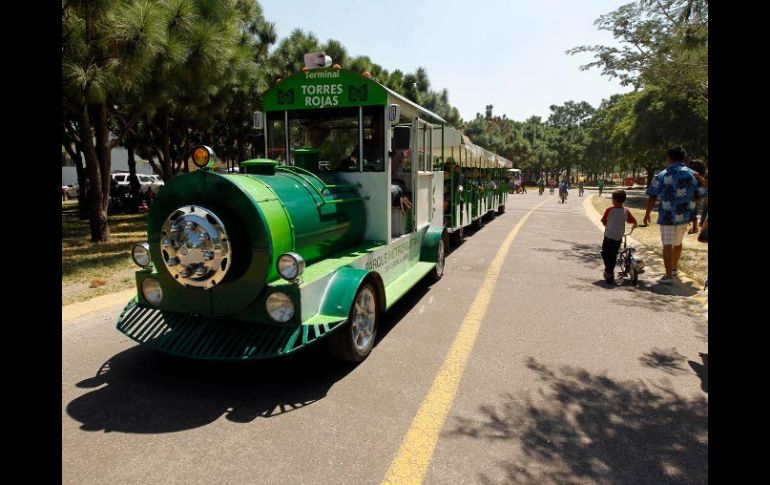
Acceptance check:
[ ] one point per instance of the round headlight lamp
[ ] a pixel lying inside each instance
(280, 307)
(290, 266)
(202, 155)
(152, 291)
(141, 255)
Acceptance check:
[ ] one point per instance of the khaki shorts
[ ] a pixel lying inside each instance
(673, 235)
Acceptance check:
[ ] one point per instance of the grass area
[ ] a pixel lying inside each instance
(89, 269)
(694, 259)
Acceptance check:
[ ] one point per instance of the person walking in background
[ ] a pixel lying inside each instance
(675, 186)
(601, 186)
(614, 220)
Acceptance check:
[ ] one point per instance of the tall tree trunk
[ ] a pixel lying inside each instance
(650, 173)
(82, 184)
(165, 145)
(99, 230)
(134, 181)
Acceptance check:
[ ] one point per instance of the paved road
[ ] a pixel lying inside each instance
(568, 381)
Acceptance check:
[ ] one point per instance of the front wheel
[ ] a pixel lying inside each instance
(355, 340)
(438, 271)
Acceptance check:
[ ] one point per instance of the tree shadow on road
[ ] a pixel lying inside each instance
(702, 370)
(590, 428)
(143, 391)
(584, 253)
(668, 360)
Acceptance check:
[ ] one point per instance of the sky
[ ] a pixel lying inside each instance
(507, 53)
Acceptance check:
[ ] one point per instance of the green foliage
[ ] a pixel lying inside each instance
(664, 56)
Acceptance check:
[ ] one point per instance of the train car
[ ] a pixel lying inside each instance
(311, 244)
(477, 185)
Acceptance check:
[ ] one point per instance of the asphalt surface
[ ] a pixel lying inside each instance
(570, 381)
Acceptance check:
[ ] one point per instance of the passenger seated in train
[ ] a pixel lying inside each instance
(456, 183)
(398, 188)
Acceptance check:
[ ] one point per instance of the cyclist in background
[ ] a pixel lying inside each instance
(563, 187)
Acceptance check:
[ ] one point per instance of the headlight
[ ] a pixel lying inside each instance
(290, 266)
(152, 291)
(280, 307)
(202, 155)
(141, 255)
(639, 264)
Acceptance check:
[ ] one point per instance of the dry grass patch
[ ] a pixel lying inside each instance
(90, 269)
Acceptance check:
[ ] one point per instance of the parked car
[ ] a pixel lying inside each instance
(145, 181)
(69, 192)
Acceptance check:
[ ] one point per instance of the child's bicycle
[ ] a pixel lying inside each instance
(631, 266)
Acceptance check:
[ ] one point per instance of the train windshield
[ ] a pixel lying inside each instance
(328, 140)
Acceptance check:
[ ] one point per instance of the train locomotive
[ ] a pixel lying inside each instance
(306, 245)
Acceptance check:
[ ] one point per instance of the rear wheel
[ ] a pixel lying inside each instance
(477, 224)
(501, 209)
(355, 340)
(634, 274)
(438, 271)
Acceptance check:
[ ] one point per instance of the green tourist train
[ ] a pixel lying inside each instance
(356, 201)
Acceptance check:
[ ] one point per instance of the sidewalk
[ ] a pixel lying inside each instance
(75, 310)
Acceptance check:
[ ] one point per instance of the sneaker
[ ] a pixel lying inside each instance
(666, 280)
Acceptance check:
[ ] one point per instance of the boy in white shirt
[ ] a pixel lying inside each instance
(614, 220)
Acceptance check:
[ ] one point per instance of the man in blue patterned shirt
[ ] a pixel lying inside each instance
(675, 187)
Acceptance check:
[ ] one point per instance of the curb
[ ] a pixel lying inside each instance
(70, 312)
(593, 215)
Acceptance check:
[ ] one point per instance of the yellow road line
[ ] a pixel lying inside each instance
(414, 455)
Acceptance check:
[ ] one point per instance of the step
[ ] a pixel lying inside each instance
(401, 285)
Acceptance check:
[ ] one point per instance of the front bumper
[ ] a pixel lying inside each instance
(213, 338)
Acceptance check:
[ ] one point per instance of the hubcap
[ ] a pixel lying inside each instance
(364, 317)
(195, 247)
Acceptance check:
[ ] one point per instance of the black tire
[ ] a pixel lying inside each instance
(634, 275)
(478, 223)
(438, 271)
(458, 236)
(341, 344)
(501, 209)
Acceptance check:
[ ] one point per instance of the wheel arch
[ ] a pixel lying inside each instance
(341, 290)
(429, 249)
